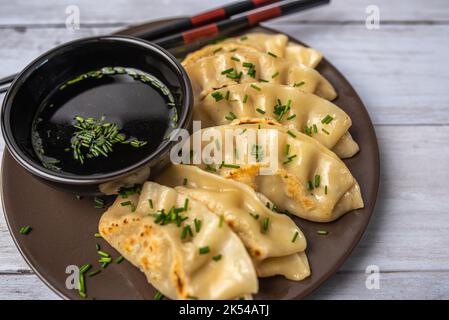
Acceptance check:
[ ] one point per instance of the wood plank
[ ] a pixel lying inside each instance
(399, 71)
(24, 287)
(19, 12)
(394, 285)
(408, 230)
(343, 285)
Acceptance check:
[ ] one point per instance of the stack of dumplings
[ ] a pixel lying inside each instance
(208, 231)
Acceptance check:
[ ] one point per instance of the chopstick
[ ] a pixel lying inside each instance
(203, 18)
(224, 27)
(213, 30)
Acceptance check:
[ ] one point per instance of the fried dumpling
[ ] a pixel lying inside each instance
(276, 44)
(297, 173)
(182, 248)
(292, 108)
(267, 235)
(222, 70)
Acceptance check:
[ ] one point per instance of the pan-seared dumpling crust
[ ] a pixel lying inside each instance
(161, 237)
(292, 108)
(244, 212)
(276, 44)
(310, 181)
(229, 68)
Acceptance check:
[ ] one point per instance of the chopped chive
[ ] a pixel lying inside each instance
(287, 149)
(186, 204)
(97, 235)
(243, 38)
(289, 159)
(265, 223)
(308, 131)
(231, 116)
(25, 230)
(204, 250)
(291, 134)
(93, 273)
(221, 221)
(103, 254)
(119, 259)
(131, 205)
(310, 185)
(98, 203)
(105, 260)
(210, 168)
(272, 54)
(97, 246)
(192, 297)
(325, 189)
(247, 65)
(186, 230)
(85, 267)
(150, 202)
(291, 117)
(217, 257)
(227, 71)
(295, 236)
(217, 96)
(317, 180)
(263, 80)
(235, 59)
(260, 111)
(227, 95)
(327, 119)
(184, 182)
(158, 296)
(255, 87)
(325, 131)
(275, 75)
(322, 232)
(315, 129)
(197, 225)
(254, 215)
(245, 98)
(298, 84)
(231, 166)
(217, 50)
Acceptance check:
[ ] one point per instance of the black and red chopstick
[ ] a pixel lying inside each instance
(203, 18)
(213, 30)
(239, 23)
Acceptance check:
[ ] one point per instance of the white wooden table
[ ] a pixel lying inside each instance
(401, 72)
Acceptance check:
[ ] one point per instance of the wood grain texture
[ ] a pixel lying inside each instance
(400, 71)
(21, 12)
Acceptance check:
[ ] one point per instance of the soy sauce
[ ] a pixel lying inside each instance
(142, 107)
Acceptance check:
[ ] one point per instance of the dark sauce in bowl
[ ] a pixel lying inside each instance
(141, 106)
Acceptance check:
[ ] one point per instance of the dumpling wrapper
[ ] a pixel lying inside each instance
(273, 251)
(206, 74)
(277, 44)
(174, 266)
(288, 187)
(305, 108)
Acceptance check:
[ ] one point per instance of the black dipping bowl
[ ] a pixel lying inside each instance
(67, 61)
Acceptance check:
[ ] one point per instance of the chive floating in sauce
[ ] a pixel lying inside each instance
(85, 121)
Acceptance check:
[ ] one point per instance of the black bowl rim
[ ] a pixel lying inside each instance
(59, 177)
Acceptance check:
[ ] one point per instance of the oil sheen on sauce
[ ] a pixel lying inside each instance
(141, 105)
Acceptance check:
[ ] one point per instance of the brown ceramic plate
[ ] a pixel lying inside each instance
(64, 227)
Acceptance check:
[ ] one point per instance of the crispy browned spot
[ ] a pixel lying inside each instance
(179, 284)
